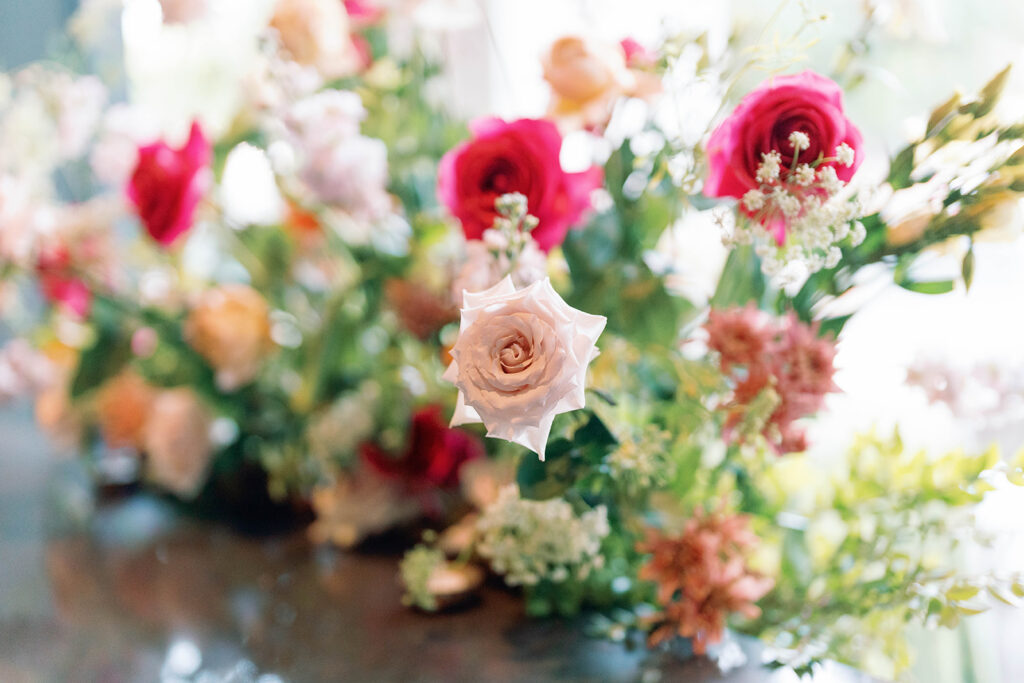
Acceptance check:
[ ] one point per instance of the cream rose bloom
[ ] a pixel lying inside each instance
(316, 33)
(230, 328)
(177, 441)
(521, 358)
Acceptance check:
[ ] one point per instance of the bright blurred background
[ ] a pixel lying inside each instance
(965, 346)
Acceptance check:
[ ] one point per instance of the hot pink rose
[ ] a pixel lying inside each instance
(763, 121)
(517, 156)
(168, 183)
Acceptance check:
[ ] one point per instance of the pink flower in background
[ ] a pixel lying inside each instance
(763, 122)
(168, 184)
(517, 156)
(638, 56)
(786, 356)
(58, 283)
(183, 11)
(362, 12)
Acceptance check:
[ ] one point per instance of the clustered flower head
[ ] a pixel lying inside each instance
(786, 153)
(534, 540)
(506, 248)
(782, 358)
(800, 212)
(702, 577)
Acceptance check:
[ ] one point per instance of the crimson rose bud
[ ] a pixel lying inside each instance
(168, 183)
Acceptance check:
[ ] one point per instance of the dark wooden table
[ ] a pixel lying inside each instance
(133, 592)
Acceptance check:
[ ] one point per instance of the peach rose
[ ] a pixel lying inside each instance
(521, 358)
(316, 33)
(177, 442)
(587, 77)
(230, 328)
(122, 409)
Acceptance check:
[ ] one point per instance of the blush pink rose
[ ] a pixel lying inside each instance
(763, 121)
(167, 185)
(517, 156)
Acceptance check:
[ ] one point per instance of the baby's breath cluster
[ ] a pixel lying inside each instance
(532, 540)
(506, 248)
(800, 212)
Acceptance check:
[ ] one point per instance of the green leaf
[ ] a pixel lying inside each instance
(108, 354)
(901, 168)
(742, 281)
(941, 115)
(934, 287)
(961, 593)
(967, 268)
(989, 95)
(833, 326)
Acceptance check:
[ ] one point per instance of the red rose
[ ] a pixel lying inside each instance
(168, 183)
(763, 121)
(433, 456)
(59, 284)
(517, 156)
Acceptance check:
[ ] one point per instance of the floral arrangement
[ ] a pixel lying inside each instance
(306, 308)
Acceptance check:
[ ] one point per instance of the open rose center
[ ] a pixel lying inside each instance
(516, 355)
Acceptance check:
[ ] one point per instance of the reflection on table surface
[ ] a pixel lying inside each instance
(135, 592)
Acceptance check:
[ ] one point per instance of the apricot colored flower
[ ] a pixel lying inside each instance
(123, 406)
(702, 578)
(177, 442)
(230, 328)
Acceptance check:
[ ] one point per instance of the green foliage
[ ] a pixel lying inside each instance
(108, 353)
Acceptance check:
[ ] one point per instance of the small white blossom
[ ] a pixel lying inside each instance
(753, 200)
(828, 180)
(833, 256)
(532, 540)
(787, 203)
(768, 171)
(857, 233)
(804, 175)
(799, 140)
(845, 154)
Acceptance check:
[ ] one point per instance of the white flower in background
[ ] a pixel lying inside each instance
(533, 540)
(23, 370)
(248, 189)
(336, 432)
(352, 175)
(520, 359)
(690, 255)
(80, 103)
(123, 129)
(178, 443)
(18, 221)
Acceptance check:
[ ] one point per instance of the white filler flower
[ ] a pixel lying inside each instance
(521, 358)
